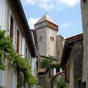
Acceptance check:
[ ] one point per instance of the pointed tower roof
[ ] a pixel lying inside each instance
(45, 18)
(46, 21)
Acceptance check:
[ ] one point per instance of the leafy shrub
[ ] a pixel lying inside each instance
(45, 63)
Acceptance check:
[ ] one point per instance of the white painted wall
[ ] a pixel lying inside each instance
(3, 14)
(23, 47)
(9, 78)
(3, 26)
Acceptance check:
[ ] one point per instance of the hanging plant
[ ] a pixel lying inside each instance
(23, 66)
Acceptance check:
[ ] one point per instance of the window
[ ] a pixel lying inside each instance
(17, 41)
(11, 28)
(84, 1)
(40, 39)
(26, 52)
(83, 84)
(8, 22)
(51, 38)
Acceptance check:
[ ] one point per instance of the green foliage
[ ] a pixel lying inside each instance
(2, 67)
(5, 43)
(22, 65)
(5, 47)
(61, 83)
(45, 63)
(2, 34)
(55, 65)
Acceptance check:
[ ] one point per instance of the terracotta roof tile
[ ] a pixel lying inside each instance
(42, 70)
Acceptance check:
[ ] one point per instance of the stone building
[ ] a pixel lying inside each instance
(49, 46)
(72, 59)
(84, 11)
(46, 30)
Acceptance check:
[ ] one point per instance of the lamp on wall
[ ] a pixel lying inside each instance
(84, 1)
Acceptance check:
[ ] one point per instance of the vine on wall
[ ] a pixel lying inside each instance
(20, 63)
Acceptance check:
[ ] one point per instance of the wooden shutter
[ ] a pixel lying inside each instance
(17, 41)
(11, 28)
(67, 73)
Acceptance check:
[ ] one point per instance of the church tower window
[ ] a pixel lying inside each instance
(51, 38)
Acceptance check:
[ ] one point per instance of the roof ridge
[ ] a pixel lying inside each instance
(45, 17)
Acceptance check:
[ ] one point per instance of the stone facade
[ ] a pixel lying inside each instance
(46, 38)
(84, 10)
(51, 42)
(74, 65)
(78, 61)
(42, 42)
(70, 66)
(59, 46)
(46, 31)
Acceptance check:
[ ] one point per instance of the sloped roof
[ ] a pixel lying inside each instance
(45, 18)
(75, 38)
(42, 71)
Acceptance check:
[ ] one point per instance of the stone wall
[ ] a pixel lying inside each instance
(59, 46)
(51, 42)
(42, 42)
(46, 38)
(84, 10)
(70, 66)
(75, 64)
(78, 60)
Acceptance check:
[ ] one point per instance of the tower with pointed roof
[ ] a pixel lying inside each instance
(46, 30)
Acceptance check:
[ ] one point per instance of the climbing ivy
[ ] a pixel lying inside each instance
(20, 63)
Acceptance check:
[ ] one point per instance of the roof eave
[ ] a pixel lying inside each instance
(68, 47)
(19, 16)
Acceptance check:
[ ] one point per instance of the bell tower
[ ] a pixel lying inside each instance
(46, 30)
